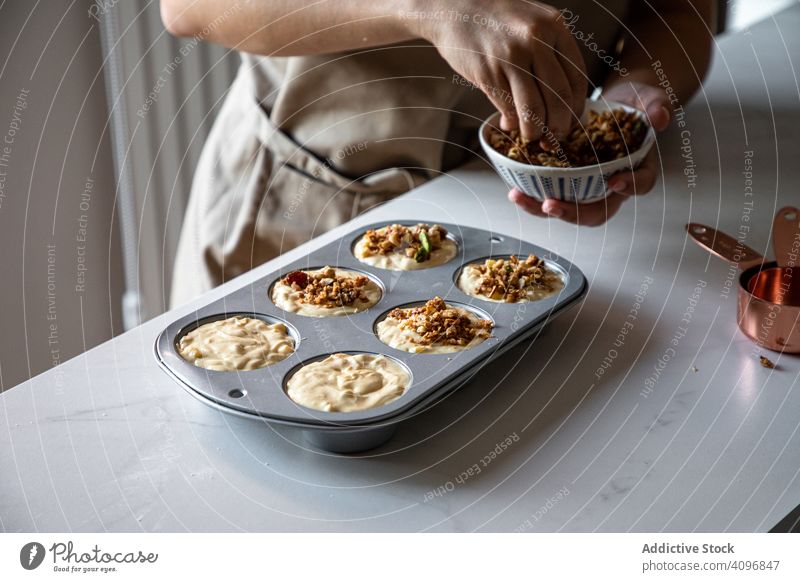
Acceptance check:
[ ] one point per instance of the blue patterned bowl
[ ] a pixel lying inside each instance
(582, 185)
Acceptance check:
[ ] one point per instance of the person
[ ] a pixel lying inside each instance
(340, 106)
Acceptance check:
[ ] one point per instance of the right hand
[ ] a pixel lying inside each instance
(530, 68)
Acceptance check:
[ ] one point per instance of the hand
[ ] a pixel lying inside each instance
(519, 53)
(654, 102)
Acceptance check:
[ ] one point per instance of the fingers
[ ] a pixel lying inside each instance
(529, 103)
(659, 116)
(555, 88)
(640, 181)
(652, 100)
(527, 203)
(593, 214)
(545, 73)
(571, 60)
(499, 93)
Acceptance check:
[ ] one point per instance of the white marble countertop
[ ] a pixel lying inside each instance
(107, 441)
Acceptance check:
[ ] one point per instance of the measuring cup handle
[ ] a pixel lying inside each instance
(723, 245)
(786, 236)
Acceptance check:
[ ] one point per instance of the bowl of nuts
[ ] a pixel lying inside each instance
(610, 138)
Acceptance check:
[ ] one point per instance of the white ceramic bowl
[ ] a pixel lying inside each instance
(581, 185)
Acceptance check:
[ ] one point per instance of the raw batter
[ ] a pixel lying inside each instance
(348, 383)
(236, 343)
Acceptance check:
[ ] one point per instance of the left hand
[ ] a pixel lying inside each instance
(655, 103)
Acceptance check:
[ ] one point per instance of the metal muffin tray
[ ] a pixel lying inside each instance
(260, 394)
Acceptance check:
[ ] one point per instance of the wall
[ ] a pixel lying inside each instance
(60, 278)
(745, 13)
(172, 89)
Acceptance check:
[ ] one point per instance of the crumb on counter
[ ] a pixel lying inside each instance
(766, 362)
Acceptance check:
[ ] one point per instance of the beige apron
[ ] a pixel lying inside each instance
(304, 144)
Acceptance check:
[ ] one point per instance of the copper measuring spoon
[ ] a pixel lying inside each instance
(768, 295)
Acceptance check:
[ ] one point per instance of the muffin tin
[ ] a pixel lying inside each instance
(260, 394)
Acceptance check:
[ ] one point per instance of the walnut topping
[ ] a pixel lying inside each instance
(437, 323)
(509, 280)
(326, 288)
(417, 242)
(607, 136)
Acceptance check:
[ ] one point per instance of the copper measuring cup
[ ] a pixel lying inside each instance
(768, 295)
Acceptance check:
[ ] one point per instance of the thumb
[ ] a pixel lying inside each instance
(652, 100)
(655, 104)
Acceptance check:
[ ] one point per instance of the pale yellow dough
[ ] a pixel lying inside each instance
(289, 300)
(236, 343)
(390, 333)
(399, 261)
(469, 283)
(348, 383)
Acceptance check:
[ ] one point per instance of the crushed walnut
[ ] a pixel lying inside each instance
(608, 135)
(508, 279)
(437, 323)
(766, 362)
(326, 288)
(416, 242)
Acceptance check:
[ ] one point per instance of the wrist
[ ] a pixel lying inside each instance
(418, 18)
